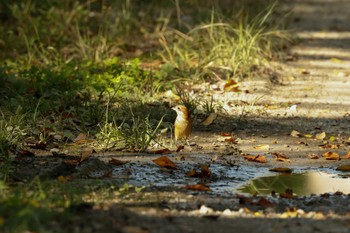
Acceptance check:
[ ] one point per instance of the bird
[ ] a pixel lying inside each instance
(183, 123)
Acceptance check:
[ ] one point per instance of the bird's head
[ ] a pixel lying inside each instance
(181, 111)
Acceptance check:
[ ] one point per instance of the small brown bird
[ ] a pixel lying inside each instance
(183, 123)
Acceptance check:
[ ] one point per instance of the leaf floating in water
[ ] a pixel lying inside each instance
(197, 187)
(343, 168)
(281, 169)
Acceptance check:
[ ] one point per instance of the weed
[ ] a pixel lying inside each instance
(209, 106)
(11, 133)
(140, 134)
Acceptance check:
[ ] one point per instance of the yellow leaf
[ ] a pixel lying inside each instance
(295, 134)
(331, 155)
(320, 136)
(264, 147)
(333, 59)
(210, 119)
(308, 135)
(331, 138)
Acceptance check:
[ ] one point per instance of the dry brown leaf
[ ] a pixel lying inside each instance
(230, 139)
(287, 194)
(197, 187)
(265, 203)
(180, 148)
(331, 155)
(164, 161)
(117, 162)
(80, 137)
(281, 157)
(255, 158)
(64, 179)
(329, 146)
(264, 147)
(313, 156)
(86, 154)
(320, 136)
(71, 162)
(231, 85)
(347, 156)
(225, 134)
(205, 171)
(344, 168)
(210, 119)
(281, 169)
(295, 134)
(192, 173)
(164, 151)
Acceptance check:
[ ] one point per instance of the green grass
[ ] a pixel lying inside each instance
(101, 68)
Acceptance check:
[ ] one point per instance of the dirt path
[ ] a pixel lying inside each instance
(308, 93)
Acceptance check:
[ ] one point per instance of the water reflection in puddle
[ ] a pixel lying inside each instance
(302, 184)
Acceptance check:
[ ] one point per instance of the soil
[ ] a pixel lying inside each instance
(307, 92)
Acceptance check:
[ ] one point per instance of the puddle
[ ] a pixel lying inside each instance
(307, 183)
(227, 180)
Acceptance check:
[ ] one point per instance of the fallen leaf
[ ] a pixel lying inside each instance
(343, 168)
(197, 187)
(26, 153)
(71, 162)
(287, 194)
(313, 156)
(336, 60)
(281, 157)
(329, 146)
(308, 135)
(210, 119)
(205, 172)
(331, 155)
(164, 161)
(281, 169)
(86, 154)
(225, 134)
(117, 162)
(80, 137)
(320, 136)
(265, 203)
(231, 85)
(304, 71)
(331, 138)
(264, 147)
(255, 158)
(64, 179)
(192, 173)
(164, 151)
(295, 134)
(230, 139)
(180, 148)
(347, 156)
